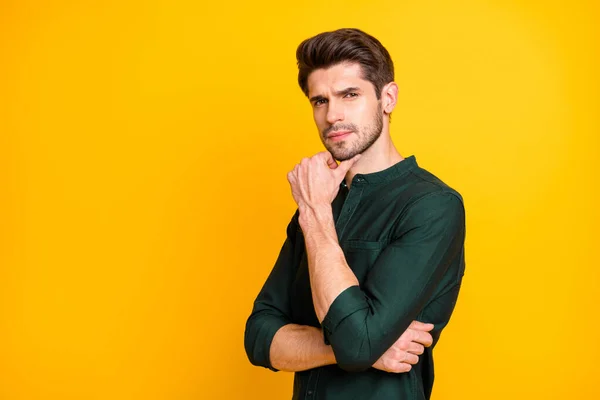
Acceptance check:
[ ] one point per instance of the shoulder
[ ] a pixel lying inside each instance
(431, 200)
(426, 183)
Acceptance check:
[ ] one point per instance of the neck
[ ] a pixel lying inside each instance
(381, 155)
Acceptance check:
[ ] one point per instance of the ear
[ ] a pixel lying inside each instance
(389, 97)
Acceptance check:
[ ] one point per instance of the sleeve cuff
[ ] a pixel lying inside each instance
(268, 333)
(347, 303)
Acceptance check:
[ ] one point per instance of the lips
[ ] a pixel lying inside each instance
(339, 134)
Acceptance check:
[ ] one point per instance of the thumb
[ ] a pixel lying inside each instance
(330, 160)
(345, 166)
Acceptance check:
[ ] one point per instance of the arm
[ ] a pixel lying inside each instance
(330, 275)
(272, 341)
(300, 347)
(361, 323)
(271, 309)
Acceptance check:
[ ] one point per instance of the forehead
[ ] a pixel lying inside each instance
(336, 77)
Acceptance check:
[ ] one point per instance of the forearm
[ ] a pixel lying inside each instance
(298, 348)
(330, 275)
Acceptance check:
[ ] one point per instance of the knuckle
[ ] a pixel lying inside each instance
(417, 335)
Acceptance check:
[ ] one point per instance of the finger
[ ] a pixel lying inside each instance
(346, 165)
(416, 348)
(411, 359)
(399, 368)
(421, 326)
(422, 337)
(331, 163)
(403, 344)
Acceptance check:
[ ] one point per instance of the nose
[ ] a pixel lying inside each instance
(335, 112)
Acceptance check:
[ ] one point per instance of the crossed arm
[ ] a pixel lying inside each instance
(361, 323)
(300, 347)
(273, 341)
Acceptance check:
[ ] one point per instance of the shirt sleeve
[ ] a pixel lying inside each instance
(363, 322)
(271, 309)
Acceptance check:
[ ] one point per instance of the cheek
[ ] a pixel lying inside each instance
(366, 107)
(358, 112)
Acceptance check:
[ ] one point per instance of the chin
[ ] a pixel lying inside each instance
(342, 155)
(342, 151)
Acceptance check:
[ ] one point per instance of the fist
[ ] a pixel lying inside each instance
(315, 181)
(403, 354)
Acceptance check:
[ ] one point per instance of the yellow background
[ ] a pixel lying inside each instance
(144, 147)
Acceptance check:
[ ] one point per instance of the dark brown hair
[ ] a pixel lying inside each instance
(345, 45)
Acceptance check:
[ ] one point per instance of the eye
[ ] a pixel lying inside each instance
(351, 94)
(320, 101)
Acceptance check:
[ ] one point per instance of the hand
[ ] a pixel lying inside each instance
(316, 180)
(403, 354)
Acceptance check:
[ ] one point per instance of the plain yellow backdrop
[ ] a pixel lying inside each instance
(144, 147)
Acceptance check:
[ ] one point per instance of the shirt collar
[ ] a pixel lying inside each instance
(388, 174)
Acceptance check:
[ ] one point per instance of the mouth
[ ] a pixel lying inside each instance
(338, 135)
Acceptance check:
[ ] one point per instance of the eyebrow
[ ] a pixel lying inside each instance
(338, 93)
(346, 91)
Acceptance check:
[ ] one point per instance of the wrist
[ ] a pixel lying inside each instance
(315, 215)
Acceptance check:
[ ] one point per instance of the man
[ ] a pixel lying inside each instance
(376, 245)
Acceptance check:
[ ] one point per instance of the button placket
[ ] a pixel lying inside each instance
(313, 379)
(348, 208)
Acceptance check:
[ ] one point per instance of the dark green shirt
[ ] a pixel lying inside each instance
(402, 232)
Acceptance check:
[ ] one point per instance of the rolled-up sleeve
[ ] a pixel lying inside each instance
(363, 322)
(271, 309)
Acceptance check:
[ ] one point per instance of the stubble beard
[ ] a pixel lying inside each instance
(368, 135)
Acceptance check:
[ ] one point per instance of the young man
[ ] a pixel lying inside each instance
(376, 245)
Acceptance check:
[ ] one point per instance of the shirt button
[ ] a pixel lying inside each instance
(310, 392)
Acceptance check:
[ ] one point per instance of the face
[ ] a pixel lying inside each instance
(346, 110)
